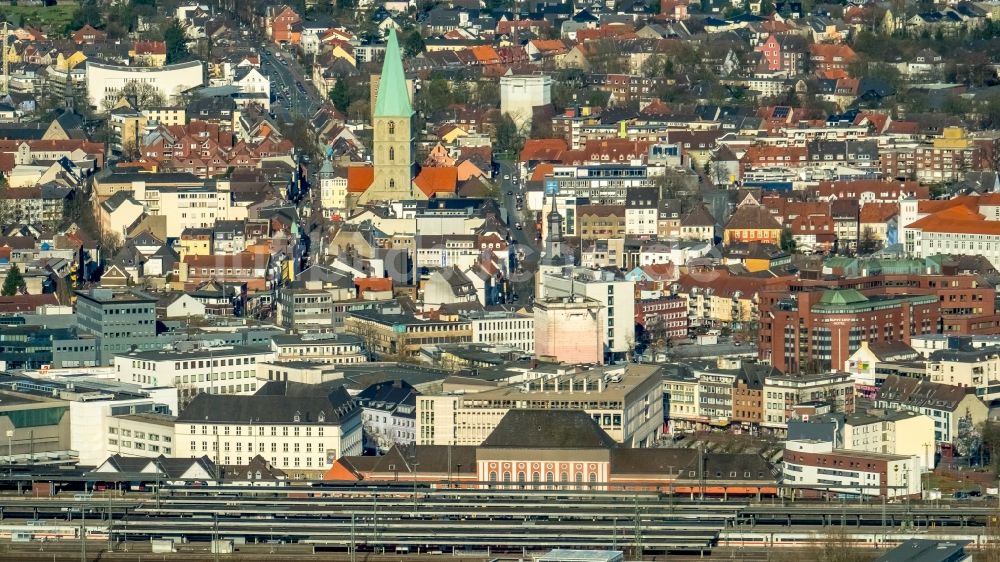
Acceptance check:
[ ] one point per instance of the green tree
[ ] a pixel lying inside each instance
(173, 35)
(788, 243)
(413, 43)
(13, 283)
(340, 96)
(509, 140)
(597, 98)
(436, 96)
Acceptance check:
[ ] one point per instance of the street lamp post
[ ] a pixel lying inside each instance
(10, 451)
(415, 465)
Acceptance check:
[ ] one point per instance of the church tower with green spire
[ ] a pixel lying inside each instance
(393, 136)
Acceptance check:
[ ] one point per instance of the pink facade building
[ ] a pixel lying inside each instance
(568, 330)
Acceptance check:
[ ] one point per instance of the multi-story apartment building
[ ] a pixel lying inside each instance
(943, 159)
(568, 124)
(944, 403)
(662, 318)
(625, 87)
(301, 429)
(716, 298)
(182, 199)
(681, 402)
(641, 210)
(963, 226)
(976, 368)
(891, 432)
(310, 305)
(333, 188)
(460, 250)
(602, 184)
(388, 412)
(782, 392)
(715, 395)
(627, 402)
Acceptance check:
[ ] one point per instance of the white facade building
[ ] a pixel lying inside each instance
(337, 349)
(332, 189)
(817, 464)
(617, 297)
(141, 435)
(504, 328)
(672, 252)
(92, 415)
(191, 207)
(627, 402)
(218, 370)
(300, 429)
(104, 80)
(520, 94)
(897, 433)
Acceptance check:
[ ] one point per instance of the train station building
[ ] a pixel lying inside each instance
(554, 449)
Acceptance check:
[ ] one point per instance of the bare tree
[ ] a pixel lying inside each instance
(111, 242)
(989, 550)
(368, 334)
(719, 172)
(141, 95)
(836, 545)
(868, 244)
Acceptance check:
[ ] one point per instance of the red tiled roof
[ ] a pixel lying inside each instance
(372, 284)
(542, 170)
(958, 219)
(660, 271)
(543, 149)
(932, 206)
(812, 224)
(878, 212)
(150, 48)
(877, 120)
(752, 217)
(437, 180)
(359, 178)
(485, 54)
(549, 46)
(243, 260)
(903, 127)
(891, 189)
(828, 52)
(26, 303)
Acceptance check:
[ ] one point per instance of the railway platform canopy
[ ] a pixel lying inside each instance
(571, 555)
